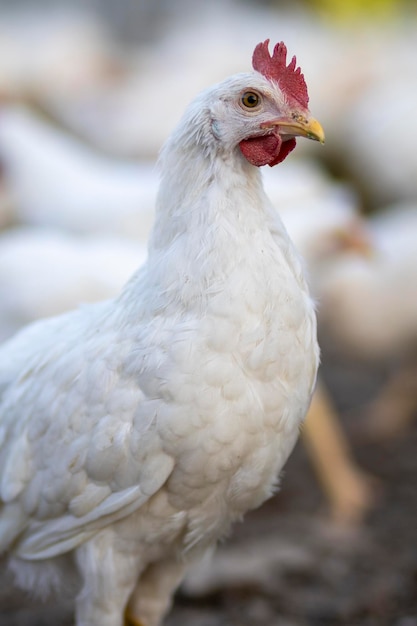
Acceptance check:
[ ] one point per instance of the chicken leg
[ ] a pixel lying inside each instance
(347, 487)
(152, 597)
(130, 620)
(103, 596)
(391, 412)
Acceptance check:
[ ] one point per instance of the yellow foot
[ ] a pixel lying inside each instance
(130, 620)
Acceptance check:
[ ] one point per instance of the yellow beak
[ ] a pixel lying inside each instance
(299, 126)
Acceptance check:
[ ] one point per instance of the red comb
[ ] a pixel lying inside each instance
(289, 77)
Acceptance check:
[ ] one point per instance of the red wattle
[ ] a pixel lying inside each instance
(286, 148)
(266, 150)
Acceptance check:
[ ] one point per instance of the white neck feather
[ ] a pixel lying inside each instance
(212, 215)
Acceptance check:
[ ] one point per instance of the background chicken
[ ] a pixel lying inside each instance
(179, 401)
(46, 272)
(47, 169)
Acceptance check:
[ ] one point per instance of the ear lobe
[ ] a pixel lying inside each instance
(215, 128)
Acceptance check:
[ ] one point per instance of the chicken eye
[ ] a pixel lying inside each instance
(250, 99)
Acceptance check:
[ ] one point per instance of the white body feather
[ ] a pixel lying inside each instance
(136, 430)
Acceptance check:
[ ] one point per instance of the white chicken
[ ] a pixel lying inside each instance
(387, 170)
(368, 311)
(47, 272)
(57, 181)
(135, 431)
(368, 305)
(56, 50)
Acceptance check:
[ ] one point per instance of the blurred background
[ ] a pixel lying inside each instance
(89, 90)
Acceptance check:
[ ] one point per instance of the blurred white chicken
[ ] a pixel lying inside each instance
(46, 272)
(321, 216)
(58, 51)
(369, 304)
(56, 181)
(135, 431)
(373, 86)
(368, 311)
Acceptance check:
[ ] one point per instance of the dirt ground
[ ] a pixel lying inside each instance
(287, 565)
